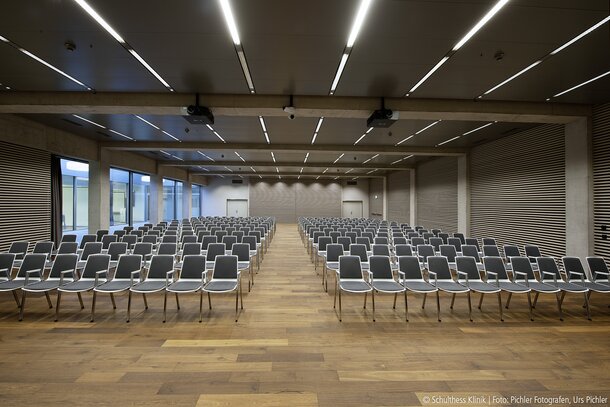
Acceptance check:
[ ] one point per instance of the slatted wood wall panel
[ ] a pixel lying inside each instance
(399, 196)
(601, 179)
(436, 189)
(25, 194)
(376, 204)
(273, 198)
(517, 186)
(318, 199)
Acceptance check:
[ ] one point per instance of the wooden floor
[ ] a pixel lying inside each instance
(289, 349)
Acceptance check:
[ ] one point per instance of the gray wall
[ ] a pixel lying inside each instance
(376, 198)
(218, 190)
(436, 189)
(398, 196)
(601, 180)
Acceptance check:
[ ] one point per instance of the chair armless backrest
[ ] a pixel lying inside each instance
(403, 250)
(461, 237)
(455, 242)
(350, 268)
(131, 240)
(192, 267)
(116, 249)
(440, 266)
(572, 264)
(417, 241)
(43, 248)
(522, 265)
(160, 264)
(225, 268)
(400, 240)
(189, 239)
(511, 250)
(491, 251)
(257, 235)
(471, 241)
(548, 265)
(596, 265)
(239, 235)
(215, 249)
(148, 239)
(468, 265)
(91, 248)
(381, 250)
(168, 232)
(67, 248)
(358, 250)
(380, 267)
(425, 251)
(63, 262)
(412, 235)
(19, 249)
(126, 265)
(444, 236)
(99, 234)
(365, 241)
(532, 251)
(345, 242)
(68, 239)
(32, 261)
(449, 252)
(471, 251)
(191, 249)
(487, 241)
(107, 239)
(167, 248)
(119, 233)
(155, 233)
(495, 264)
(6, 263)
(169, 239)
(95, 263)
(333, 252)
(410, 266)
(436, 242)
(207, 240)
(242, 251)
(323, 242)
(220, 234)
(229, 241)
(381, 240)
(143, 249)
(250, 240)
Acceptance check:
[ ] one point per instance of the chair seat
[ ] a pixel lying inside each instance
(243, 265)
(76, 286)
(419, 286)
(513, 287)
(150, 286)
(184, 286)
(597, 287)
(41, 286)
(541, 287)
(11, 285)
(354, 286)
(114, 286)
(451, 287)
(483, 287)
(388, 286)
(332, 265)
(568, 287)
(220, 286)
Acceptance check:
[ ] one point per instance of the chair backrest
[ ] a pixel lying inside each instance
(490, 251)
(95, 263)
(444, 236)
(425, 251)
(334, 251)
(149, 239)
(67, 248)
(242, 251)
(471, 251)
(225, 267)
(143, 249)
(488, 241)
(548, 265)
(107, 239)
(380, 267)
(119, 233)
(495, 264)
(345, 242)
(229, 241)
(436, 242)
(250, 240)
(522, 265)
(99, 234)
(160, 264)
(381, 240)
(192, 248)
(573, 264)
(400, 240)
(131, 240)
(427, 236)
(455, 242)
(117, 249)
(169, 238)
(32, 261)
(381, 250)
(365, 241)
(126, 265)
(44, 247)
(6, 262)
(63, 262)
(334, 236)
(468, 265)
(91, 248)
(220, 234)
(19, 248)
(349, 267)
(403, 250)
(167, 248)
(257, 235)
(324, 241)
(440, 266)
(359, 250)
(239, 235)
(461, 237)
(188, 239)
(417, 241)
(511, 251)
(68, 238)
(410, 266)
(596, 264)
(215, 249)
(193, 266)
(207, 240)
(449, 252)
(472, 242)
(156, 233)
(532, 251)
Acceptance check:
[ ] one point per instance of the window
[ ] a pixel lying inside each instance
(119, 197)
(129, 198)
(196, 211)
(75, 195)
(140, 199)
(179, 199)
(172, 199)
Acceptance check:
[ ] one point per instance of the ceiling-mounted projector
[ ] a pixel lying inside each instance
(382, 118)
(196, 114)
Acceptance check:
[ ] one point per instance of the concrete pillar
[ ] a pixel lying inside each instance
(187, 200)
(99, 193)
(412, 198)
(579, 189)
(463, 195)
(385, 198)
(156, 199)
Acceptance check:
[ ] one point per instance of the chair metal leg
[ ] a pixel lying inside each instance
(200, 306)
(563, 295)
(481, 300)
(406, 307)
(587, 304)
(395, 296)
(93, 305)
(22, 305)
(128, 306)
(113, 302)
(145, 302)
(423, 304)
(16, 299)
(236, 303)
(510, 295)
(535, 300)
(241, 295)
(365, 297)
(529, 301)
(335, 302)
(46, 294)
(559, 306)
(589, 296)
(340, 306)
(80, 299)
(373, 299)
(177, 301)
(57, 305)
(164, 305)
(469, 307)
(499, 305)
(452, 301)
(209, 300)
(438, 306)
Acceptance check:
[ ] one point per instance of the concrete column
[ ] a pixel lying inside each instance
(99, 193)
(187, 200)
(412, 198)
(385, 198)
(463, 195)
(156, 199)
(579, 189)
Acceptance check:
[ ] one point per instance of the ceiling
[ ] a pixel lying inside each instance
(294, 47)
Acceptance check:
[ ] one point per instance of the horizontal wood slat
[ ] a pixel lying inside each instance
(601, 179)
(399, 196)
(436, 186)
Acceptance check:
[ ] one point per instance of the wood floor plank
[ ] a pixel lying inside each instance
(258, 400)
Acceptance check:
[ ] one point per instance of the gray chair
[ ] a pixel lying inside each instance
(450, 253)
(107, 239)
(229, 241)
(331, 261)
(345, 242)
(19, 249)
(131, 241)
(524, 274)
(360, 251)
(152, 281)
(350, 279)
(99, 234)
(323, 242)
(225, 278)
(32, 265)
(495, 267)
(409, 269)
(86, 239)
(532, 251)
(120, 282)
(472, 251)
(167, 249)
(97, 266)
(598, 270)
(153, 239)
(191, 280)
(7, 260)
(242, 251)
(424, 251)
(116, 250)
(436, 242)
(403, 250)
(214, 250)
(438, 269)
(143, 249)
(67, 248)
(381, 279)
(488, 241)
(206, 241)
(550, 274)
(251, 241)
(511, 250)
(467, 268)
(90, 249)
(381, 250)
(64, 263)
(576, 273)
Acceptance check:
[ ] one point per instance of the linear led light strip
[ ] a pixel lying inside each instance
(216, 133)
(465, 134)
(230, 20)
(171, 155)
(492, 12)
(338, 158)
(315, 132)
(273, 156)
(228, 169)
(206, 156)
(240, 157)
(157, 127)
(306, 157)
(264, 127)
(402, 159)
(363, 136)
(372, 158)
(43, 62)
(580, 84)
(203, 168)
(4, 86)
(94, 14)
(547, 56)
(356, 26)
(102, 127)
(372, 171)
(417, 132)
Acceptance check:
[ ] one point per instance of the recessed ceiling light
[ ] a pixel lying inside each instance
(320, 120)
(216, 133)
(478, 128)
(417, 132)
(273, 156)
(402, 159)
(340, 69)
(318, 177)
(120, 134)
(167, 134)
(206, 156)
(313, 140)
(4, 39)
(582, 84)
(264, 127)
(245, 69)
(147, 122)
(277, 170)
(581, 35)
(240, 157)
(252, 168)
(300, 172)
(228, 169)
(372, 158)
(306, 157)
(350, 170)
(230, 20)
(361, 137)
(372, 171)
(324, 172)
(89, 121)
(448, 141)
(338, 158)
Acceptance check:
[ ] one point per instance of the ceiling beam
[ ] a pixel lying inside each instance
(289, 148)
(300, 164)
(285, 174)
(306, 106)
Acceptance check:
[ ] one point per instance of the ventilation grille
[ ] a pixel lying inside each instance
(237, 181)
(437, 194)
(517, 187)
(352, 182)
(25, 194)
(601, 179)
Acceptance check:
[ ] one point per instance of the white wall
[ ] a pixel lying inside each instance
(218, 190)
(358, 192)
